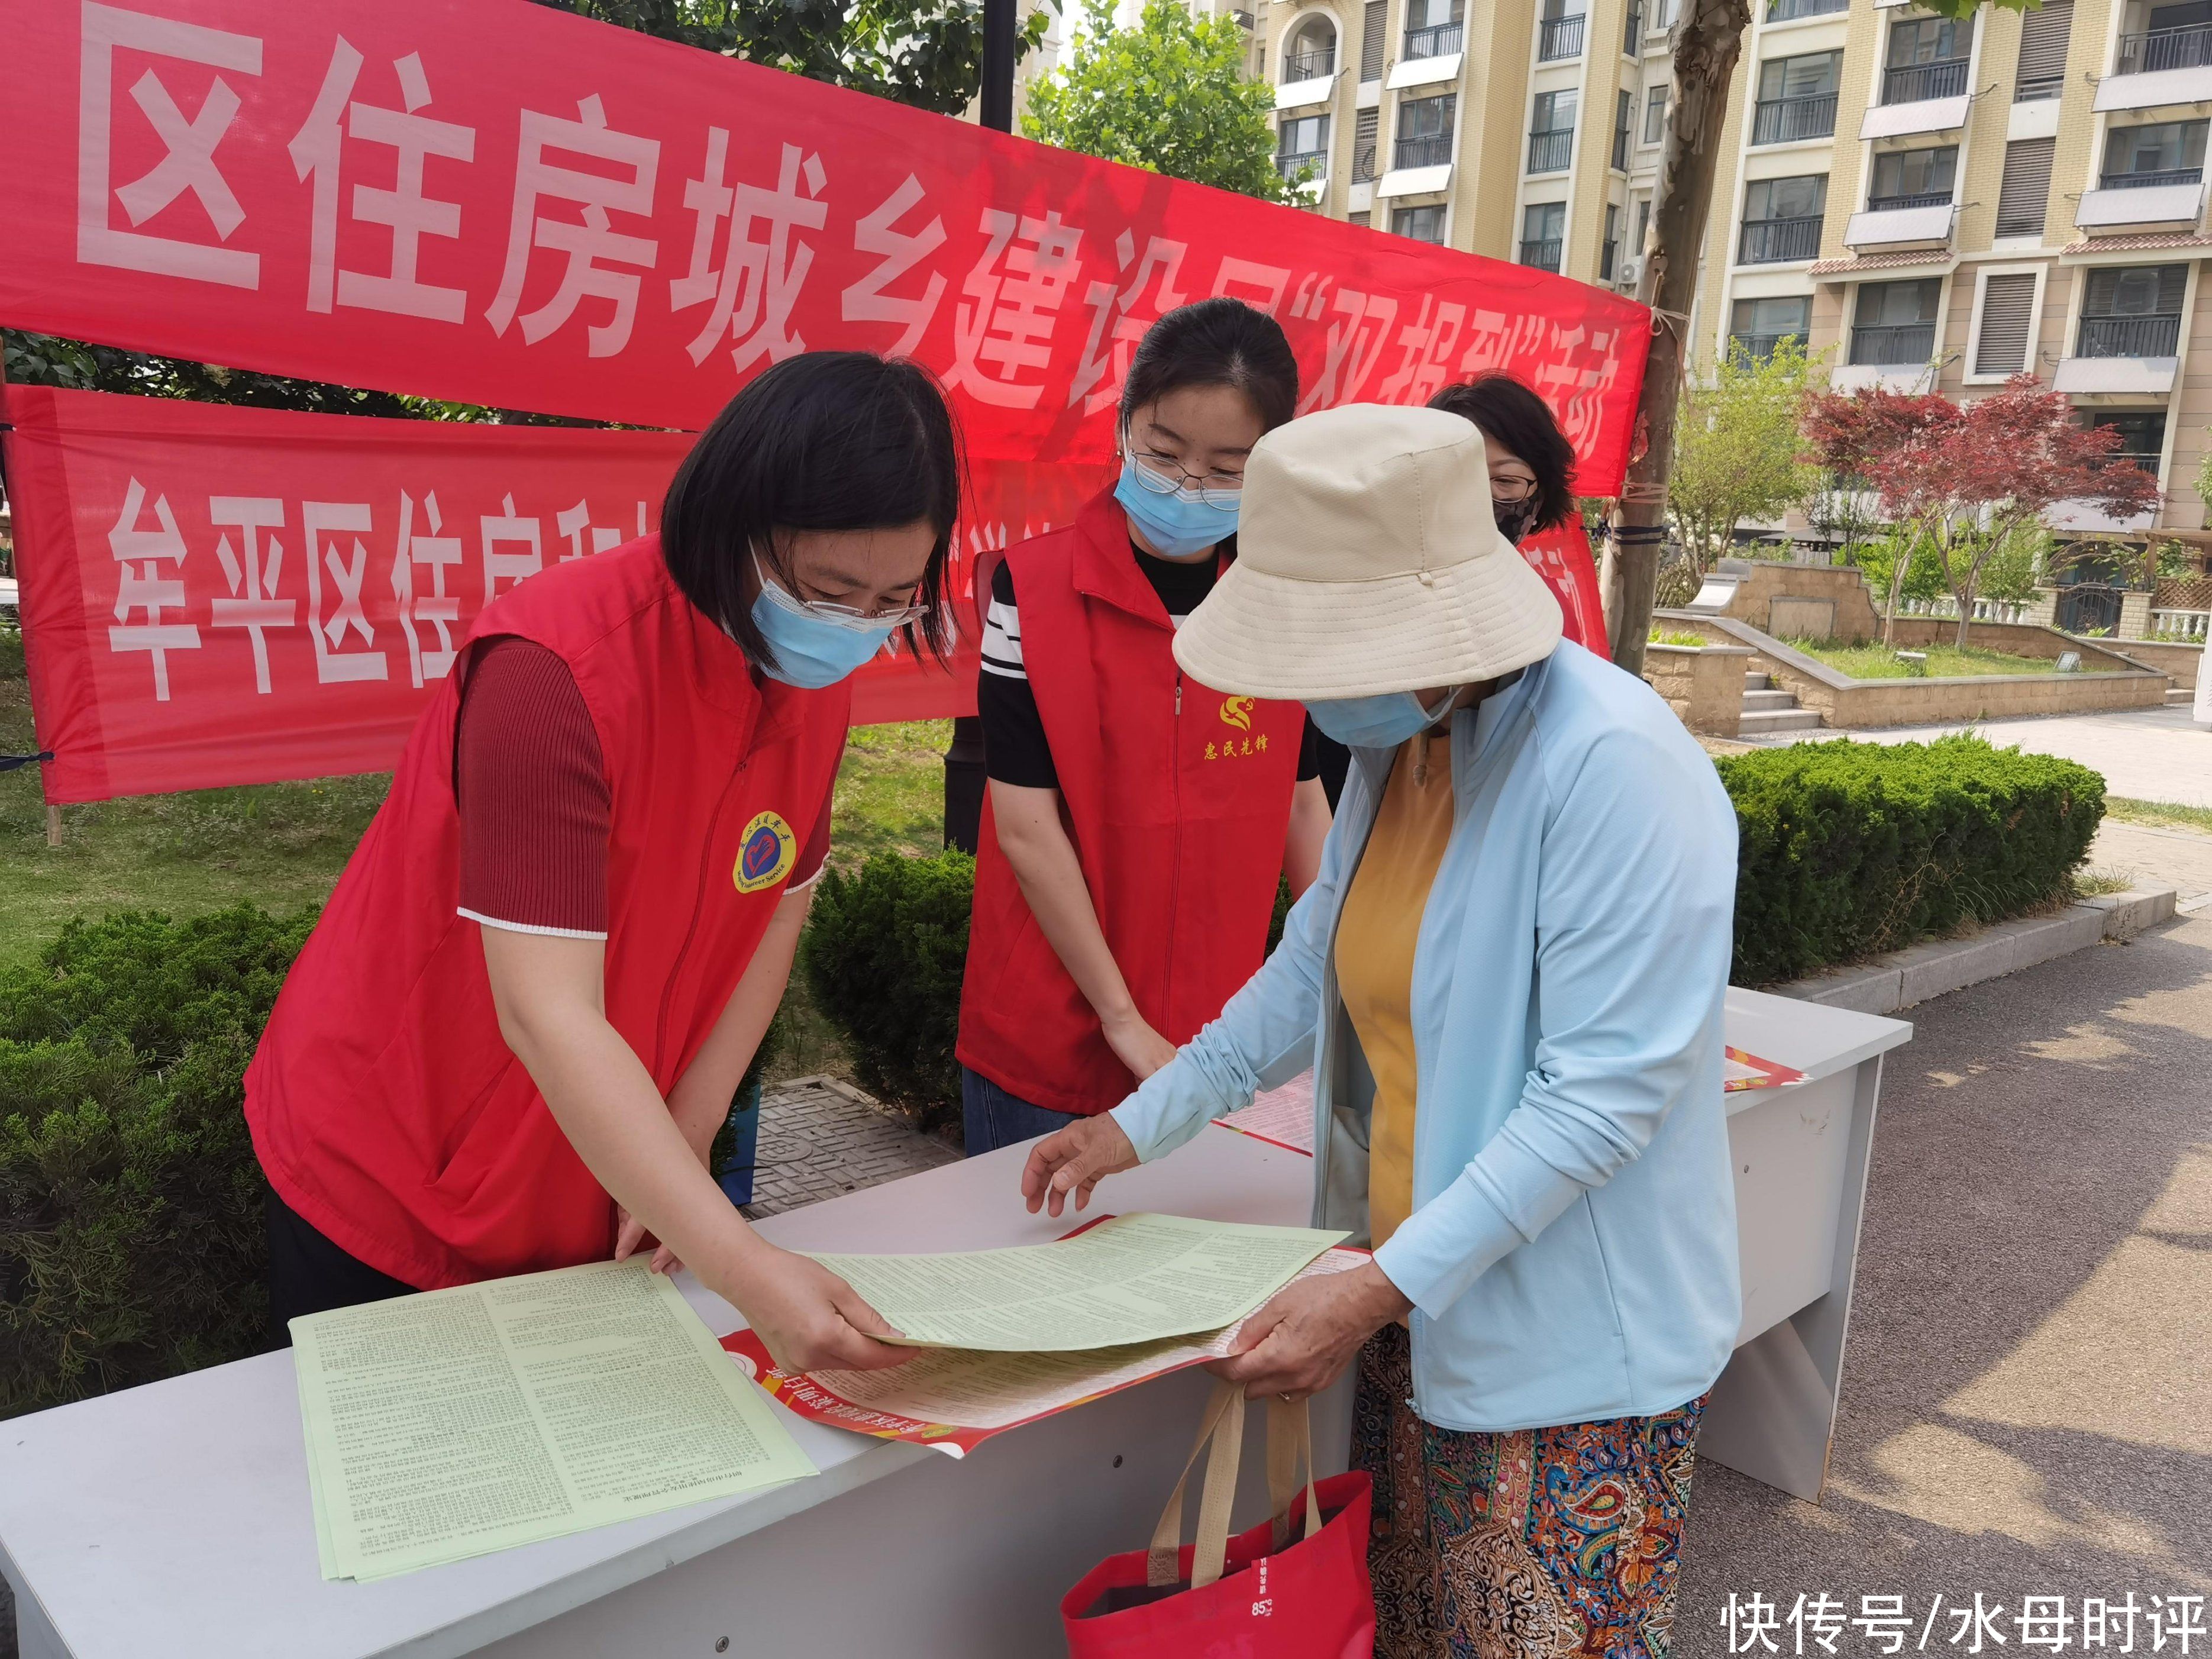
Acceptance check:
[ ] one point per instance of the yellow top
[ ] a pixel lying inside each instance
(1375, 938)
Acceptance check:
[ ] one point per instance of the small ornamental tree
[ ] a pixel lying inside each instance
(1169, 95)
(1737, 454)
(1968, 479)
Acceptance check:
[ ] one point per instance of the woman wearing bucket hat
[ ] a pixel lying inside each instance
(1509, 981)
(1125, 873)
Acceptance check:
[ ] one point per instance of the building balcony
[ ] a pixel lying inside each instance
(2080, 515)
(1308, 65)
(1292, 163)
(1543, 253)
(1559, 38)
(1892, 345)
(2154, 51)
(1550, 152)
(1430, 152)
(1760, 347)
(2171, 198)
(1788, 11)
(1437, 40)
(1794, 120)
(1882, 226)
(1772, 241)
(1917, 83)
(2123, 354)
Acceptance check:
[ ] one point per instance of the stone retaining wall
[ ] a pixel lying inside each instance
(1703, 684)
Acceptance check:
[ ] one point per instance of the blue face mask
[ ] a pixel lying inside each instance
(812, 649)
(1179, 524)
(1376, 722)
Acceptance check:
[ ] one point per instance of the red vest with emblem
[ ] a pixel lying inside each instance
(1177, 798)
(384, 1104)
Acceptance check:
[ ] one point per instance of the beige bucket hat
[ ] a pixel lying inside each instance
(1368, 560)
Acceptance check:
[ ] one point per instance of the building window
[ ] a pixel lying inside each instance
(1558, 32)
(2042, 34)
(1759, 325)
(1434, 28)
(1543, 235)
(2007, 323)
(1303, 143)
(1311, 51)
(2179, 37)
(1624, 121)
(1912, 178)
(1927, 59)
(1787, 11)
(2163, 152)
(1643, 224)
(2142, 435)
(1425, 132)
(2024, 195)
(1608, 253)
(1632, 32)
(1655, 114)
(1361, 219)
(1373, 40)
(1551, 132)
(1423, 224)
(1796, 98)
(1365, 128)
(2132, 311)
(1782, 219)
(1895, 322)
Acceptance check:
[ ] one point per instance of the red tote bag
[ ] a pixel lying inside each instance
(1257, 1595)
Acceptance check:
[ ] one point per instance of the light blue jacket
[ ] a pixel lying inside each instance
(1571, 1254)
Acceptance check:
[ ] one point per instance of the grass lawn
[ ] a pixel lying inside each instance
(2162, 815)
(282, 845)
(1879, 662)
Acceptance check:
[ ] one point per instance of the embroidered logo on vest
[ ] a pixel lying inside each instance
(765, 855)
(1237, 712)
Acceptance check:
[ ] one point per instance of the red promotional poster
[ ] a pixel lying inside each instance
(504, 204)
(215, 596)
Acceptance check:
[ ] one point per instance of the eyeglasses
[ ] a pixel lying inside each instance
(1164, 475)
(1510, 489)
(844, 615)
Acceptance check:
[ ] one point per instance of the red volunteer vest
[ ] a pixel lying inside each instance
(1177, 798)
(384, 1104)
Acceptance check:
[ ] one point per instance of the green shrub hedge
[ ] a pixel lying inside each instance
(883, 955)
(131, 1204)
(1850, 850)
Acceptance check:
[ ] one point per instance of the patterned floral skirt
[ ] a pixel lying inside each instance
(1541, 1544)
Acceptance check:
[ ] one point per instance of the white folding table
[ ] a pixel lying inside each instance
(173, 1519)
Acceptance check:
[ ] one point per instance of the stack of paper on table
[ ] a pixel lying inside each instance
(952, 1400)
(461, 1421)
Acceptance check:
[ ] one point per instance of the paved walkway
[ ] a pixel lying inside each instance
(2027, 1409)
(2155, 856)
(2148, 754)
(820, 1138)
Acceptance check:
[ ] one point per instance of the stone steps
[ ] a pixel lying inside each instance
(1759, 723)
(1767, 709)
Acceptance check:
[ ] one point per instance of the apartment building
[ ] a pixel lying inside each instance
(1934, 204)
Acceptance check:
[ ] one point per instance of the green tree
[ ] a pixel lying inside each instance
(925, 52)
(1169, 95)
(51, 360)
(1737, 453)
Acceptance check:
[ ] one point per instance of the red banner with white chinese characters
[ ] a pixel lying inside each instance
(504, 204)
(215, 596)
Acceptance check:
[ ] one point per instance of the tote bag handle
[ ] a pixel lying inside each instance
(1290, 1443)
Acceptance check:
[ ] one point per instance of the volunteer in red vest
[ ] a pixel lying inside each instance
(546, 967)
(1137, 819)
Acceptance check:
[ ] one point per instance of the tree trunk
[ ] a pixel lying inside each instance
(1896, 592)
(1709, 40)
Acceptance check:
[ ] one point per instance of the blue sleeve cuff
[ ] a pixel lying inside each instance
(1500, 1203)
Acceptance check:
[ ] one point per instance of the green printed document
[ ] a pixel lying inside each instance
(461, 1421)
(1134, 1278)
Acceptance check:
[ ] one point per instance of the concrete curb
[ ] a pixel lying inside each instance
(1904, 978)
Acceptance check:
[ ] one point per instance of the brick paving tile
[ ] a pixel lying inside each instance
(820, 1138)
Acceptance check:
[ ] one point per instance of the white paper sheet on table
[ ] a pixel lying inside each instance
(1134, 1278)
(1282, 1117)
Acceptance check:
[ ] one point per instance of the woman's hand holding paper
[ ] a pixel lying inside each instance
(1308, 1332)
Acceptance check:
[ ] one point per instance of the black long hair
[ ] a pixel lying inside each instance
(1517, 416)
(1217, 342)
(825, 441)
